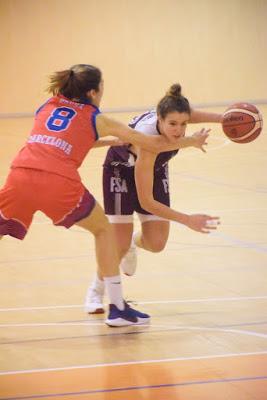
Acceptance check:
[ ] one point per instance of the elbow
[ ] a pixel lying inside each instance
(146, 204)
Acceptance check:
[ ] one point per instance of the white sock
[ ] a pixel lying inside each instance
(114, 290)
(135, 238)
(98, 283)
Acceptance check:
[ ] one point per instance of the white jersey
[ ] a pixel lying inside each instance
(146, 123)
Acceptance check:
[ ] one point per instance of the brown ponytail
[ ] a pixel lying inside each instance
(76, 81)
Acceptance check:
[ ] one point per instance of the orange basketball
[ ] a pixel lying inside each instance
(242, 122)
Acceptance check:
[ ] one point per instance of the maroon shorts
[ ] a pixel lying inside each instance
(26, 191)
(120, 194)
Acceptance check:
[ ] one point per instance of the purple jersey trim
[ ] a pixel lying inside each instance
(138, 119)
(81, 211)
(12, 227)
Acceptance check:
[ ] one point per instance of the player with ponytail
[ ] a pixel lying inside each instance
(44, 175)
(136, 180)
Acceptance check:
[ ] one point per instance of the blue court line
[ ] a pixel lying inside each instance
(129, 388)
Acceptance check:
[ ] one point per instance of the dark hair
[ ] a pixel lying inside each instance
(173, 101)
(75, 82)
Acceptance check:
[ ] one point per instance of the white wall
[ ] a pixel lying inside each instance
(215, 49)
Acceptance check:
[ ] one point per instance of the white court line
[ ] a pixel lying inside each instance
(226, 238)
(235, 241)
(61, 324)
(214, 299)
(44, 220)
(163, 360)
(240, 243)
(168, 327)
(207, 300)
(215, 329)
(209, 148)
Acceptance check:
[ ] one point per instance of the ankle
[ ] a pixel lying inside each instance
(98, 284)
(114, 290)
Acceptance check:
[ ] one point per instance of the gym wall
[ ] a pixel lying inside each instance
(215, 49)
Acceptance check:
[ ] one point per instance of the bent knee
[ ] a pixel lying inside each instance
(156, 246)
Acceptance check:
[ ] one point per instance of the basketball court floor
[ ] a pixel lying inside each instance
(207, 294)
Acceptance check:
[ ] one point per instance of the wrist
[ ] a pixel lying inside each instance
(187, 141)
(183, 218)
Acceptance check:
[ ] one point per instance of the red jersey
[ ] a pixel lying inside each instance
(63, 133)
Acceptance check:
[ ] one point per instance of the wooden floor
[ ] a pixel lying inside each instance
(207, 294)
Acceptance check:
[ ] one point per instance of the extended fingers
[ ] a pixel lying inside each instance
(202, 148)
(211, 223)
(213, 220)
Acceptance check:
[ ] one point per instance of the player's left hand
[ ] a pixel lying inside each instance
(203, 223)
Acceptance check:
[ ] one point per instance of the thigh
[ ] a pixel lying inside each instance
(17, 203)
(96, 221)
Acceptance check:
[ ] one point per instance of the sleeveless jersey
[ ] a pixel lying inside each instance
(122, 155)
(63, 133)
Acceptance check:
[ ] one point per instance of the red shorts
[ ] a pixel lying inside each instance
(26, 191)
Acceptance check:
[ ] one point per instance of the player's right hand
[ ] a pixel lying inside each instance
(201, 139)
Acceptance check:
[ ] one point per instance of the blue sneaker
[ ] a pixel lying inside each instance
(126, 317)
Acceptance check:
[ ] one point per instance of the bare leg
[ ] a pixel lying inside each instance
(154, 236)
(120, 314)
(106, 253)
(105, 241)
(123, 234)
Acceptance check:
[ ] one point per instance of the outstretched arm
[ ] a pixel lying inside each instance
(198, 116)
(144, 178)
(108, 142)
(107, 126)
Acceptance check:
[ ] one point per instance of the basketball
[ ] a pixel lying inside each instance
(242, 122)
